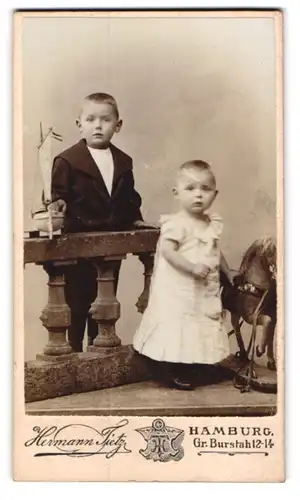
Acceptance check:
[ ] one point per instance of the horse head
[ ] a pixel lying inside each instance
(262, 251)
(258, 269)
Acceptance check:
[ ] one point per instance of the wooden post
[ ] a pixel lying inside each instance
(56, 315)
(147, 260)
(106, 308)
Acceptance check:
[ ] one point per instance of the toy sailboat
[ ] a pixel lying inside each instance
(44, 219)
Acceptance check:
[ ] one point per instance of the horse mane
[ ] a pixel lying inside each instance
(264, 247)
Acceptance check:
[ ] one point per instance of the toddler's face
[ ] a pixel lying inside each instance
(196, 190)
(98, 123)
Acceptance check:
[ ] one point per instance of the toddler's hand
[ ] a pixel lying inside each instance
(201, 271)
(232, 275)
(58, 206)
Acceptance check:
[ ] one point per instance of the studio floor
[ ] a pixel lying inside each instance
(151, 398)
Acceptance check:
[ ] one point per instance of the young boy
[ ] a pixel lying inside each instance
(93, 184)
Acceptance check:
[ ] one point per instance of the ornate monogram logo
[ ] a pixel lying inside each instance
(164, 443)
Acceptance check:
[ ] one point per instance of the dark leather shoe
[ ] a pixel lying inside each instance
(183, 385)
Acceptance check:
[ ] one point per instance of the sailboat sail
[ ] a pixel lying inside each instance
(45, 162)
(44, 219)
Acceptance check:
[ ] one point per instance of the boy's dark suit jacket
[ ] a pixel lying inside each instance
(77, 180)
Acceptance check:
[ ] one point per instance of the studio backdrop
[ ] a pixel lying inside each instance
(187, 88)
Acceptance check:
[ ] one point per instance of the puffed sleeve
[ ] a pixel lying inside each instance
(216, 225)
(172, 228)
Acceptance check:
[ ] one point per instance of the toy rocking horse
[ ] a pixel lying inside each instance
(253, 299)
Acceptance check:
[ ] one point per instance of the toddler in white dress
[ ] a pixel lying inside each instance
(183, 324)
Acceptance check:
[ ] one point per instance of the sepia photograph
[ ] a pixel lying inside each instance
(150, 220)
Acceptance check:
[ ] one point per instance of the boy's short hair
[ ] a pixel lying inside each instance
(103, 97)
(198, 165)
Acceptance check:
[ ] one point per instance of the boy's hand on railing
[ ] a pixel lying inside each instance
(141, 224)
(58, 206)
(201, 271)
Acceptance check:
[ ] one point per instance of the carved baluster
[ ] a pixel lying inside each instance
(56, 315)
(106, 308)
(147, 260)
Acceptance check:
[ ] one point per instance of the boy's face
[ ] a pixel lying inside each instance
(196, 190)
(98, 123)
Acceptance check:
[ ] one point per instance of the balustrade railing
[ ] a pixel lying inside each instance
(104, 250)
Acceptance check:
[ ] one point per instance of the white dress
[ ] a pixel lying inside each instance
(183, 320)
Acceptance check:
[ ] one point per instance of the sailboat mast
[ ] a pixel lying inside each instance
(41, 133)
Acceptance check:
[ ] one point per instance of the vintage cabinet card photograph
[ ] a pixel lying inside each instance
(148, 251)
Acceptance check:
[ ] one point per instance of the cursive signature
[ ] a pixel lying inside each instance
(79, 440)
